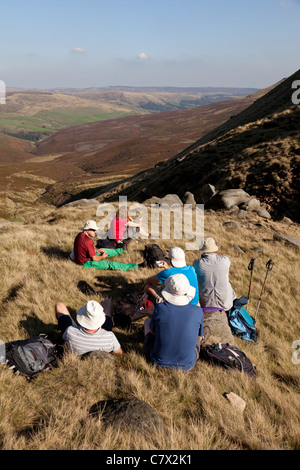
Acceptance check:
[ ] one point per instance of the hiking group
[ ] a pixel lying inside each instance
(181, 294)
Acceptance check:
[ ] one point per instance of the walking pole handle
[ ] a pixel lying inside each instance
(251, 264)
(269, 265)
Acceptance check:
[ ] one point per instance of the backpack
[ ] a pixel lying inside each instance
(153, 253)
(131, 308)
(107, 243)
(228, 356)
(241, 323)
(31, 356)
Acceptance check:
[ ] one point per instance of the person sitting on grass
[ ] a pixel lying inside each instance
(94, 329)
(123, 228)
(212, 272)
(85, 253)
(174, 333)
(177, 265)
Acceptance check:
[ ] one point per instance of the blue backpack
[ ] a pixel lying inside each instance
(240, 322)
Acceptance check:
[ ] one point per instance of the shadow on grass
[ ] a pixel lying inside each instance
(116, 287)
(55, 252)
(13, 293)
(34, 326)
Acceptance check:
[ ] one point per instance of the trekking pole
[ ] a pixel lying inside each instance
(250, 268)
(269, 267)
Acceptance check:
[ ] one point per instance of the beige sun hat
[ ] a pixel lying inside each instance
(177, 257)
(178, 290)
(90, 225)
(91, 315)
(209, 245)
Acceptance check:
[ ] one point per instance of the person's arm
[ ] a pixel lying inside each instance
(100, 256)
(150, 283)
(132, 224)
(119, 351)
(164, 265)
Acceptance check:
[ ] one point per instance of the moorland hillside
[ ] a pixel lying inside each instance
(256, 150)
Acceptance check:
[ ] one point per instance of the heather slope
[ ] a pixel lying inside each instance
(257, 150)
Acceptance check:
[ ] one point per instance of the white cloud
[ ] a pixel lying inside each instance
(143, 56)
(78, 50)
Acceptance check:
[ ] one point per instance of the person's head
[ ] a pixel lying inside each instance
(91, 316)
(90, 228)
(178, 290)
(177, 257)
(209, 246)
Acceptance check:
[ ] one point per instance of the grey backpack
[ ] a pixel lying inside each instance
(31, 356)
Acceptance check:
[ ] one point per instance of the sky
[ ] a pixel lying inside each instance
(185, 43)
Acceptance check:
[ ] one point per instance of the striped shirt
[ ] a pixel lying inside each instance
(79, 341)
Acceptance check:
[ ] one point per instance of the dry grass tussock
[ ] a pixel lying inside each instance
(53, 411)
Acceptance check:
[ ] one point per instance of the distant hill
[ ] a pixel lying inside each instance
(33, 115)
(257, 150)
(132, 144)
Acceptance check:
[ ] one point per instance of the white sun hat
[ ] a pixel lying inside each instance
(90, 225)
(91, 315)
(209, 245)
(177, 257)
(178, 290)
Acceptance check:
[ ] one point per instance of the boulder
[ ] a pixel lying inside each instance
(287, 240)
(263, 213)
(231, 224)
(207, 192)
(252, 204)
(83, 202)
(189, 199)
(228, 198)
(128, 412)
(234, 210)
(169, 199)
(242, 214)
(220, 331)
(152, 200)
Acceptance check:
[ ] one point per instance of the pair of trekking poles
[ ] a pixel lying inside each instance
(269, 267)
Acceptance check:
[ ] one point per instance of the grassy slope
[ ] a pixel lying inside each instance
(53, 412)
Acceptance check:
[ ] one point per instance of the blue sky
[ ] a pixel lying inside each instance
(71, 43)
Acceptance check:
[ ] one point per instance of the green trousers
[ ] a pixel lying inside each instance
(112, 265)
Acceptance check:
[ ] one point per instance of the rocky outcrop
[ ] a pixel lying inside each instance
(169, 199)
(227, 199)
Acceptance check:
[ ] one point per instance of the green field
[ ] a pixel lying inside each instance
(67, 117)
(48, 121)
